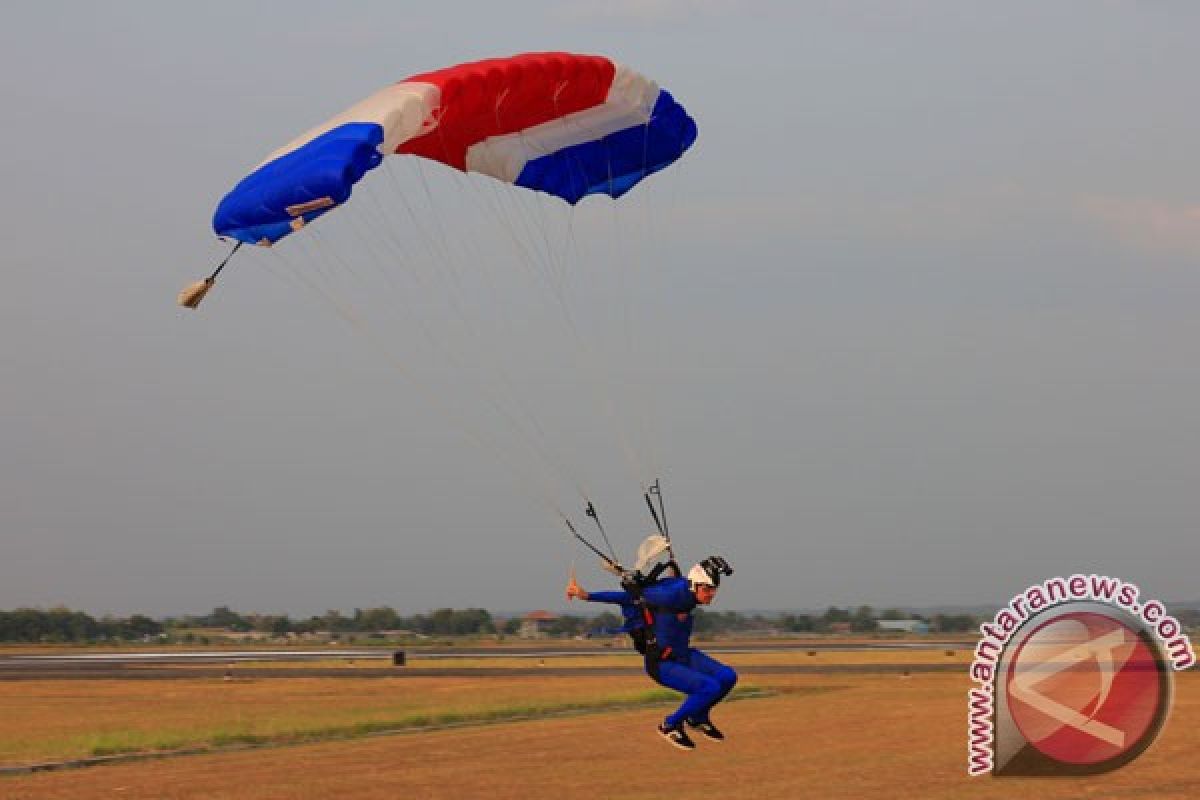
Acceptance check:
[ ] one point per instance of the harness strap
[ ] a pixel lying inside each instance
(652, 653)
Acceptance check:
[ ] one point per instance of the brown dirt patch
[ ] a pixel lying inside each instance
(881, 736)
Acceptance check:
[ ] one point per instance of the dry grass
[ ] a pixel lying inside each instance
(56, 720)
(879, 736)
(50, 720)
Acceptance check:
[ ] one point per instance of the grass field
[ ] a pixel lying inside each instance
(823, 736)
(57, 720)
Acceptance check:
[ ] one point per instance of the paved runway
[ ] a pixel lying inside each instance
(136, 665)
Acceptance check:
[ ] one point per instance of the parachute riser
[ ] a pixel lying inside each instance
(591, 511)
(660, 514)
(611, 564)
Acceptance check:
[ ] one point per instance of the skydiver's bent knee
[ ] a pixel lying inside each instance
(726, 677)
(690, 682)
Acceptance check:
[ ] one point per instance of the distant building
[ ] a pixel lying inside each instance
(536, 624)
(902, 626)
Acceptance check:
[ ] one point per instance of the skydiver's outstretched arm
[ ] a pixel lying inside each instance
(621, 598)
(575, 591)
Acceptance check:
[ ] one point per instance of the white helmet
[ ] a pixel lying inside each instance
(699, 575)
(709, 571)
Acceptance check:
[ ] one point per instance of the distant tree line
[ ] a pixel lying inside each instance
(863, 619)
(63, 625)
(442, 622)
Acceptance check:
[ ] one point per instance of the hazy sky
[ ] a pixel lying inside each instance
(916, 317)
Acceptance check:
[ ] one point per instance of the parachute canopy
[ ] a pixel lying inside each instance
(567, 125)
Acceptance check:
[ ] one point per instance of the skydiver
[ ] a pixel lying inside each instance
(670, 660)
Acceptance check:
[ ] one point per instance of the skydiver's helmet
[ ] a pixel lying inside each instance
(709, 571)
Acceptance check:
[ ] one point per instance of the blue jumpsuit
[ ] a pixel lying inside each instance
(704, 680)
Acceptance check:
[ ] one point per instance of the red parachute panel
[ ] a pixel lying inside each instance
(503, 95)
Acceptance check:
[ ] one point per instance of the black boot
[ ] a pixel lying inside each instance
(708, 730)
(677, 737)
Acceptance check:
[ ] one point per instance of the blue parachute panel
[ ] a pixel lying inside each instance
(615, 163)
(302, 184)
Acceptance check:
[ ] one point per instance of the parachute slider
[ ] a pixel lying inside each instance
(191, 296)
